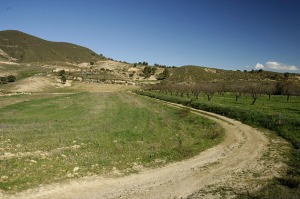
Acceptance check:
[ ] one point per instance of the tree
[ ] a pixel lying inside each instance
(63, 79)
(61, 72)
(269, 89)
(196, 90)
(62, 76)
(290, 88)
(148, 71)
(254, 89)
(143, 63)
(180, 89)
(237, 89)
(165, 74)
(286, 75)
(209, 89)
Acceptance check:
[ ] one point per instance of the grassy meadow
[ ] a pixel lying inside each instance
(47, 138)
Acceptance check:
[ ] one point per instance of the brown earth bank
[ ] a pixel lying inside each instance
(243, 162)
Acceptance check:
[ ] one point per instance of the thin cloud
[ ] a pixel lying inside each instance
(275, 66)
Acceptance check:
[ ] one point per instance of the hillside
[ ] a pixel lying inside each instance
(195, 74)
(24, 55)
(23, 48)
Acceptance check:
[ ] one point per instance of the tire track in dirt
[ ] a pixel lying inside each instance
(226, 164)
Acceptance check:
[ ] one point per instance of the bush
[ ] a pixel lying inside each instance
(7, 79)
(11, 78)
(61, 72)
(3, 80)
(148, 71)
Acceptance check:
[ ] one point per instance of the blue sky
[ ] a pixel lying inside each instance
(227, 34)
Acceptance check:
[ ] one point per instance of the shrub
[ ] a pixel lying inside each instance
(11, 78)
(3, 80)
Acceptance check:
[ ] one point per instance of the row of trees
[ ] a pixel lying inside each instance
(238, 88)
(163, 66)
(140, 63)
(7, 79)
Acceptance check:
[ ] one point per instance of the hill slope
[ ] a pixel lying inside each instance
(21, 47)
(196, 74)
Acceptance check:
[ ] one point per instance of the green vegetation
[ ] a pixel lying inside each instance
(7, 79)
(62, 76)
(276, 114)
(148, 71)
(48, 138)
(141, 63)
(165, 74)
(21, 71)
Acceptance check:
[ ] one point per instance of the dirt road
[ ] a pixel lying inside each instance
(237, 163)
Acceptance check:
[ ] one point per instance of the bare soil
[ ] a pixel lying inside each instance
(244, 161)
(32, 84)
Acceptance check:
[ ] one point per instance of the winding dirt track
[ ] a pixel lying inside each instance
(227, 164)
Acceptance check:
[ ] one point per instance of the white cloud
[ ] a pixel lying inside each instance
(259, 66)
(275, 66)
(279, 66)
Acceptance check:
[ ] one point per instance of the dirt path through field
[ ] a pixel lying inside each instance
(232, 164)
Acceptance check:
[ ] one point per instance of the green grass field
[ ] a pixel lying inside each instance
(47, 138)
(277, 104)
(275, 113)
